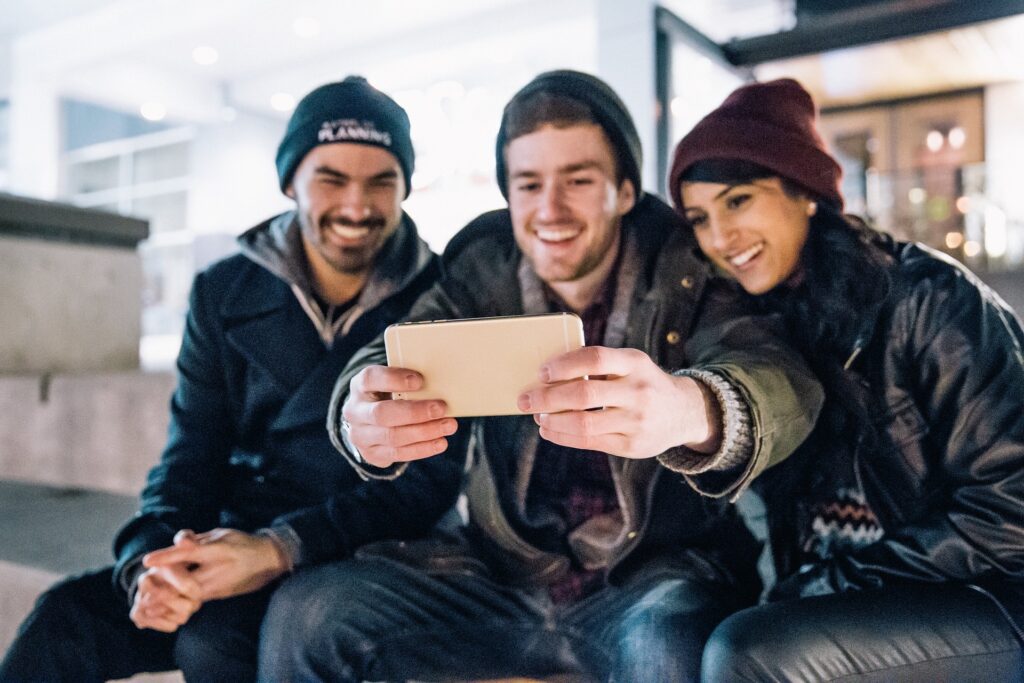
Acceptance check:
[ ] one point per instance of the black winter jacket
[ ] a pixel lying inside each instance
(247, 447)
(937, 387)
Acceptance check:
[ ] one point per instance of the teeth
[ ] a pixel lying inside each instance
(348, 232)
(744, 256)
(557, 235)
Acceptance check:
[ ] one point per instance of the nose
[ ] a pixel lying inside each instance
(723, 233)
(552, 208)
(354, 202)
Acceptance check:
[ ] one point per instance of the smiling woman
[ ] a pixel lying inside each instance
(903, 512)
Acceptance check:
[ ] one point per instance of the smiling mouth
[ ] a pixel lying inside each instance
(746, 256)
(349, 232)
(551, 235)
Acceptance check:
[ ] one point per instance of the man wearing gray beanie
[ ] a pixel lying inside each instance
(249, 487)
(585, 551)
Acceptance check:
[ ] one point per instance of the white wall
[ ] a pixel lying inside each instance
(1004, 146)
(234, 180)
(5, 67)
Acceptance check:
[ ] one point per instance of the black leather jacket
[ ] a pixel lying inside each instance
(937, 386)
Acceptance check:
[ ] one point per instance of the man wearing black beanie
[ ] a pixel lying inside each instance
(584, 552)
(249, 487)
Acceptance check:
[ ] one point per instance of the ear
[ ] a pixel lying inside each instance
(626, 199)
(289, 191)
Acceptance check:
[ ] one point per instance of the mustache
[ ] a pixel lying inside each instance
(371, 222)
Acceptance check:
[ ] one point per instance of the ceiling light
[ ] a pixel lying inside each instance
(205, 55)
(282, 101)
(916, 195)
(954, 240)
(306, 27)
(934, 140)
(153, 111)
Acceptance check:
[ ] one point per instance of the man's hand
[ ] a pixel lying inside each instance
(628, 407)
(223, 562)
(166, 597)
(387, 431)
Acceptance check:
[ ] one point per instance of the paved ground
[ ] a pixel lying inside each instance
(59, 530)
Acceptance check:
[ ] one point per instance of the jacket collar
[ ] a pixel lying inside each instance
(276, 245)
(256, 309)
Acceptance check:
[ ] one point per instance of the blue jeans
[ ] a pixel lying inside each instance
(915, 633)
(80, 631)
(377, 619)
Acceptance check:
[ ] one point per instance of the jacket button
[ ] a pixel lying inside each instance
(672, 337)
(687, 282)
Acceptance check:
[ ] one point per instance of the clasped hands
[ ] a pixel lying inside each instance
(597, 398)
(216, 564)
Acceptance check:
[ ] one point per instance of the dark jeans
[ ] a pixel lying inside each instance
(80, 631)
(376, 619)
(918, 633)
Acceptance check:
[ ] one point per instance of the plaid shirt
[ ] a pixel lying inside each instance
(574, 485)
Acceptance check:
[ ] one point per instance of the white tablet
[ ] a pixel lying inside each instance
(479, 366)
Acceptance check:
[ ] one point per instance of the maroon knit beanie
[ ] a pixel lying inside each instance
(770, 124)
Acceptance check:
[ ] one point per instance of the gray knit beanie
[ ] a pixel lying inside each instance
(606, 107)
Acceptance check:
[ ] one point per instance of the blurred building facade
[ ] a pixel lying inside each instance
(170, 111)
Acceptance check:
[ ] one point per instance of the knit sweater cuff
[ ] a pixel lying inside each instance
(286, 542)
(737, 441)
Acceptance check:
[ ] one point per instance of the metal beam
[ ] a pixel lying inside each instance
(668, 22)
(867, 24)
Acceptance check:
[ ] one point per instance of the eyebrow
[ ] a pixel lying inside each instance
(328, 171)
(729, 188)
(569, 168)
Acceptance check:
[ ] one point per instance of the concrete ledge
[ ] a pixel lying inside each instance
(39, 219)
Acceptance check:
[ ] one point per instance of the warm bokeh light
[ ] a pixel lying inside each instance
(954, 240)
(957, 137)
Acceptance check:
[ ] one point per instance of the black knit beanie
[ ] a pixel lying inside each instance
(349, 111)
(608, 110)
(773, 125)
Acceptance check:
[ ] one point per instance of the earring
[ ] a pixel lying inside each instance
(812, 208)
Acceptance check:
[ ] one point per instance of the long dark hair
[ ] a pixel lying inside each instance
(844, 274)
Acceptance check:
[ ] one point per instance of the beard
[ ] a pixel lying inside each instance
(348, 259)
